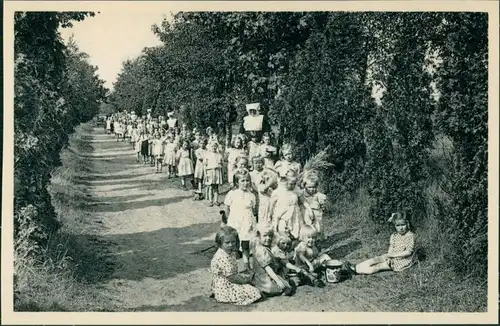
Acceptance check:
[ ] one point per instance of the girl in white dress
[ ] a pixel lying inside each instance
(241, 209)
(184, 163)
(158, 152)
(284, 211)
(169, 158)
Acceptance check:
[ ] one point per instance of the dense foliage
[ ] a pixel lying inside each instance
(317, 74)
(55, 90)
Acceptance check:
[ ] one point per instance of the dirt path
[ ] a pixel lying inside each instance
(152, 228)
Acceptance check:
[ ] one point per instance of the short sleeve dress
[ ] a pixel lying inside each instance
(184, 163)
(169, 151)
(287, 212)
(310, 254)
(400, 243)
(198, 167)
(221, 267)
(233, 154)
(315, 216)
(213, 173)
(284, 258)
(158, 148)
(261, 258)
(266, 151)
(241, 204)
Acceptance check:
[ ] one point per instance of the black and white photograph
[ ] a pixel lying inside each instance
(252, 160)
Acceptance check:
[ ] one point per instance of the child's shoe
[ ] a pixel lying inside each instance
(349, 267)
(318, 283)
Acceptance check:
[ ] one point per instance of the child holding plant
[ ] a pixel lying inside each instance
(314, 202)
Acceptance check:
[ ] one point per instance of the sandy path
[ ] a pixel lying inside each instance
(153, 228)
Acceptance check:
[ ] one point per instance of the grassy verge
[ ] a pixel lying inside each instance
(64, 275)
(429, 286)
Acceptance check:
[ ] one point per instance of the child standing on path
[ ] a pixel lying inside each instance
(284, 208)
(211, 136)
(240, 206)
(400, 254)
(138, 143)
(169, 159)
(267, 151)
(315, 202)
(253, 150)
(184, 163)
(268, 182)
(144, 147)
(287, 163)
(228, 285)
(198, 169)
(158, 152)
(212, 162)
(235, 151)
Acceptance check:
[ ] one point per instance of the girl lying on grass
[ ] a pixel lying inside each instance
(400, 254)
(228, 285)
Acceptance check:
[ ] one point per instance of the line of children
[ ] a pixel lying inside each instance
(274, 211)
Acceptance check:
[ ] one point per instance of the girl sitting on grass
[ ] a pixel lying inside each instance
(228, 285)
(400, 254)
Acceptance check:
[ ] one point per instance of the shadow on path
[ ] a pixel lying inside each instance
(134, 205)
(159, 254)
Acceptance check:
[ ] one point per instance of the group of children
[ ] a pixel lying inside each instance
(274, 219)
(273, 211)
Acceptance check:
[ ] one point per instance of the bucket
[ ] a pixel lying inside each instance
(332, 272)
